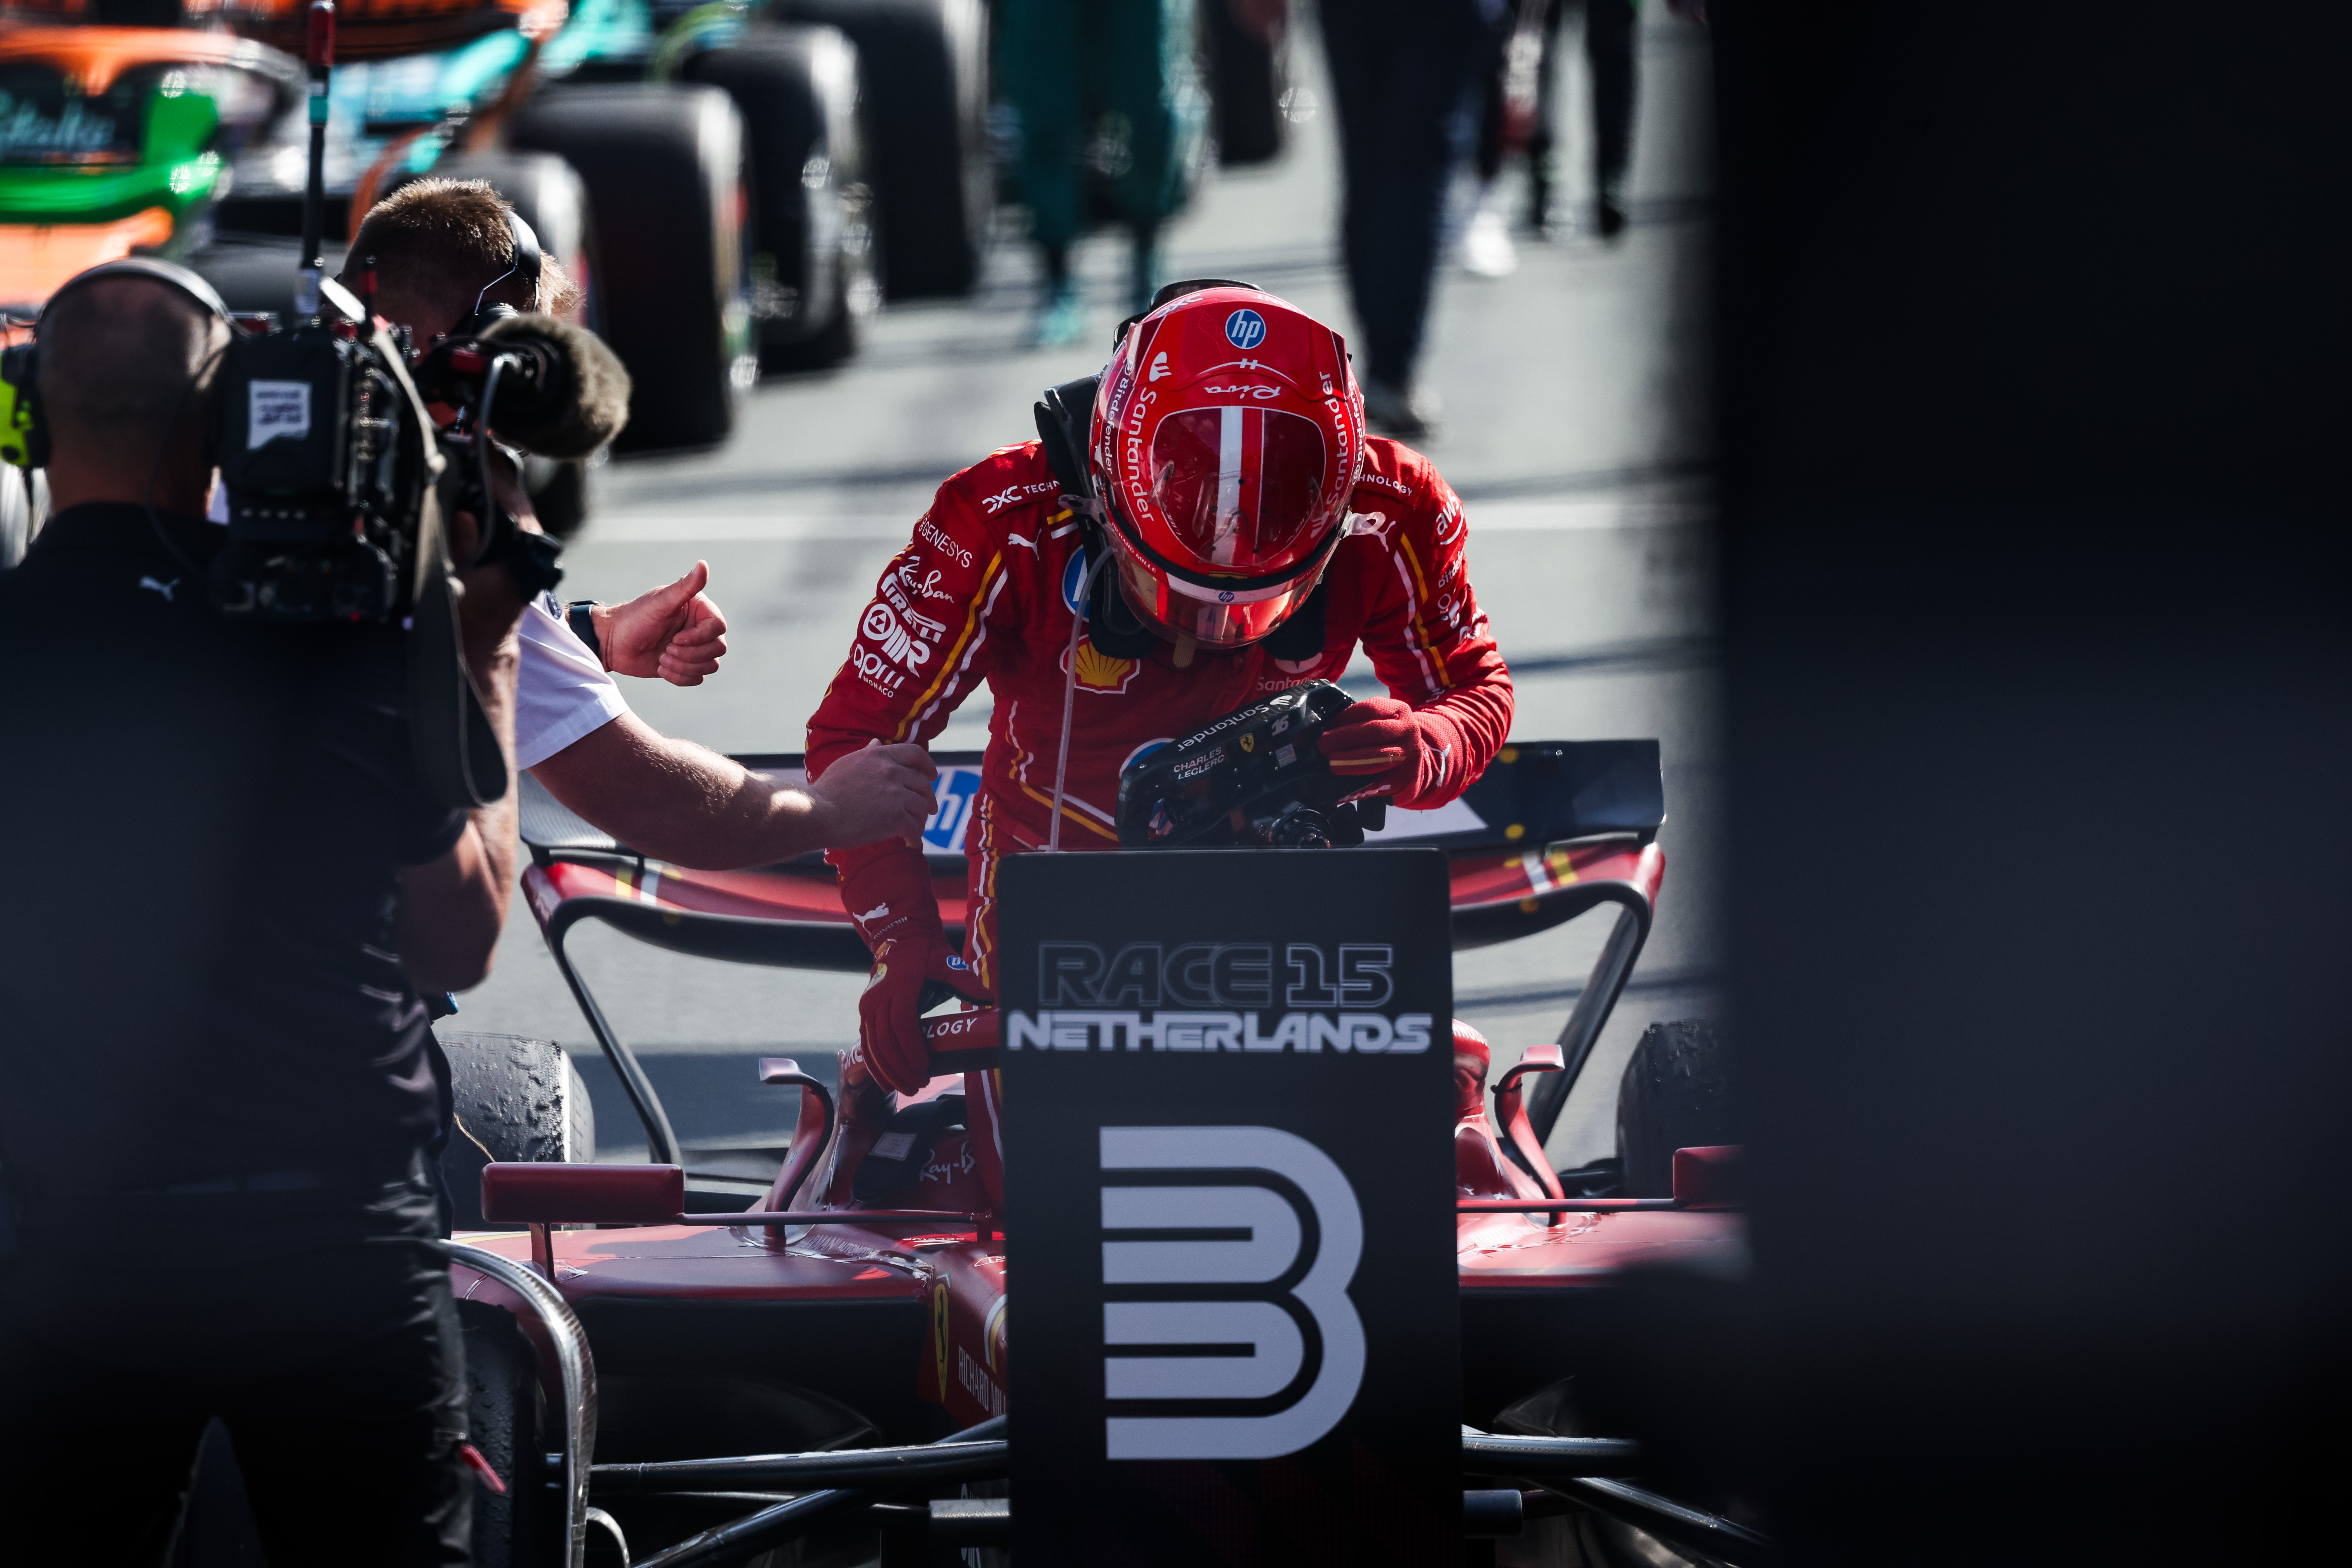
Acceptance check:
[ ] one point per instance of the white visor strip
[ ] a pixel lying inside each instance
(1227, 527)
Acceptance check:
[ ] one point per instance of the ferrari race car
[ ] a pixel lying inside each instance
(674, 1367)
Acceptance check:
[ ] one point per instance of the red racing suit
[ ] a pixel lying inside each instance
(983, 591)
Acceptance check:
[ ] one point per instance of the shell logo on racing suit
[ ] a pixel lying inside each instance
(1262, 1323)
(1100, 672)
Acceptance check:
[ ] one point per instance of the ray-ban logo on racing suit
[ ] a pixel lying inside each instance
(1217, 997)
(1233, 1268)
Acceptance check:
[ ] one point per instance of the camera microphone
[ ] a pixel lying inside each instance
(566, 395)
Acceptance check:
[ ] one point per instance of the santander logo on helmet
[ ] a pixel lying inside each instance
(1227, 436)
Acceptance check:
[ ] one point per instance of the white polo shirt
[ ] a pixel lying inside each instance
(561, 692)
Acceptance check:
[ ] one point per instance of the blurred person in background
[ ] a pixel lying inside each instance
(442, 250)
(1520, 106)
(1105, 87)
(217, 1088)
(1409, 76)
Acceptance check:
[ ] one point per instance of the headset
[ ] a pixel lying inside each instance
(525, 266)
(23, 438)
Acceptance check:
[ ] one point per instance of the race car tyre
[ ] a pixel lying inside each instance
(664, 166)
(812, 267)
(1246, 81)
(1676, 1094)
(507, 1420)
(514, 1098)
(925, 69)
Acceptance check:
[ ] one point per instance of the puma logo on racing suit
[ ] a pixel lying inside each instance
(163, 588)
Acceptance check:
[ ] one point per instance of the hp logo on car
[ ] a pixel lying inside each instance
(1245, 329)
(1269, 1314)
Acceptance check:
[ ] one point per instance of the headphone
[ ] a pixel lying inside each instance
(524, 266)
(23, 438)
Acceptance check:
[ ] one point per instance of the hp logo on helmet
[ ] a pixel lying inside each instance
(1245, 329)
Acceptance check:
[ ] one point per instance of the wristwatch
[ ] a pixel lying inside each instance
(583, 625)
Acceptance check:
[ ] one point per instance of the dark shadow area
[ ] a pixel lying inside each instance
(2036, 643)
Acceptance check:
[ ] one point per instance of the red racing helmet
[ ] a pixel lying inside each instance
(1227, 436)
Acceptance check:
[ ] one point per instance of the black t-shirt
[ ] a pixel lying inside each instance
(203, 821)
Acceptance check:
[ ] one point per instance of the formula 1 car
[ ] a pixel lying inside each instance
(115, 139)
(705, 177)
(711, 193)
(707, 1378)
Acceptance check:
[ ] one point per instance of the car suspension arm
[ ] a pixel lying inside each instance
(958, 1460)
(981, 1455)
(1713, 1536)
(787, 1520)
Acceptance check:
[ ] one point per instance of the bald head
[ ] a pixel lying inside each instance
(121, 357)
(127, 370)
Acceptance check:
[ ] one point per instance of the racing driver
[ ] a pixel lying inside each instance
(1243, 536)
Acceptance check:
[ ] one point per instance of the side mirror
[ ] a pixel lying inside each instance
(1511, 1112)
(812, 1134)
(554, 1194)
(1708, 1178)
(542, 1194)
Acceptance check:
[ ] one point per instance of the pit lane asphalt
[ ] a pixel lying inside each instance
(1576, 430)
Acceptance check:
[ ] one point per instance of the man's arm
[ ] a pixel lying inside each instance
(1450, 708)
(682, 803)
(452, 908)
(922, 644)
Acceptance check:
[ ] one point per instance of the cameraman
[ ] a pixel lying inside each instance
(216, 1085)
(444, 251)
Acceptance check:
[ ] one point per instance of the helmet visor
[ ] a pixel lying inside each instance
(1211, 618)
(1239, 487)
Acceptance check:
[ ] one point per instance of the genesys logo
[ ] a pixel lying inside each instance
(930, 533)
(1241, 1269)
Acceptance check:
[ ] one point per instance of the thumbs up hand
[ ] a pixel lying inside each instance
(674, 632)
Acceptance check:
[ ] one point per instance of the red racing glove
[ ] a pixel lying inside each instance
(889, 899)
(1386, 741)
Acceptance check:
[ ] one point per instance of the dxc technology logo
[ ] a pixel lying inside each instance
(1289, 1348)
